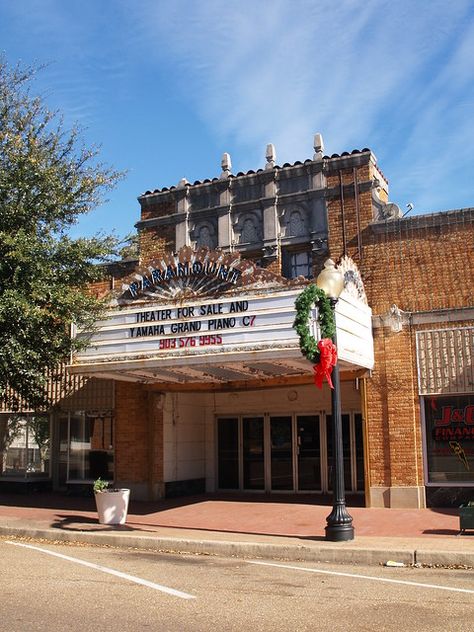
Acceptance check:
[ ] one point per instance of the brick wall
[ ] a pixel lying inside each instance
(393, 423)
(131, 433)
(275, 266)
(139, 439)
(420, 264)
(417, 266)
(113, 274)
(150, 210)
(155, 242)
(347, 230)
(100, 289)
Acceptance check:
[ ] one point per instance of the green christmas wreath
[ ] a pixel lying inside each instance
(313, 295)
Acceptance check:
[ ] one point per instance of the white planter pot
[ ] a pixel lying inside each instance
(112, 506)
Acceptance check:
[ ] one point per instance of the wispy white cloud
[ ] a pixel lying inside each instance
(66, 38)
(397, 77)
(435, 159)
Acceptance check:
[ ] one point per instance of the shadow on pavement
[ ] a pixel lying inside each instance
(446, 511)
(442, 531)
(65, 523)
(233, 530)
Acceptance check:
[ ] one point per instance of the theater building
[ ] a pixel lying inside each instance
(195, 380)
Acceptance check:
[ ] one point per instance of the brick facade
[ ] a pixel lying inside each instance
(417, 263)
(326, 207)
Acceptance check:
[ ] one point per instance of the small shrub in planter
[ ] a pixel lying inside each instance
(466, 516)
(100, 485)
(111, 503)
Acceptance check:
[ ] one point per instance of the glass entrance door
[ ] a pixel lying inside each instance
(253, 453)
(228, 453)
(291, 452)
(281, 443)
(352, 450)
(62, 435)
(308, 452)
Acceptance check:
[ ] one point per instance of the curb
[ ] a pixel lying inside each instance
(333, 553)
(445, 558)
(298, 552)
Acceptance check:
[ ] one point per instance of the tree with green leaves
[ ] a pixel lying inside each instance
(48, 179)
(39, 427)
(129, 247)
(11, 428)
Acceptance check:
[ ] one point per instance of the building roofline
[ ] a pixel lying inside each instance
(424, 220)
(327, 161)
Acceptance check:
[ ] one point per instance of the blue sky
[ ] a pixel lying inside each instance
(167, 86)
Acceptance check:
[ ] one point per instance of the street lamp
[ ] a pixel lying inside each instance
(339, 523)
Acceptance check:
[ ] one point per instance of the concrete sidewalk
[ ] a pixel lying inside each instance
(270, 527)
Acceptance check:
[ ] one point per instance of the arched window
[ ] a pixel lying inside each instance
(296, 225)
(249, 232)
(205, 237)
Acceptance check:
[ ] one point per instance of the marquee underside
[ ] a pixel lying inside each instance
(210, 370)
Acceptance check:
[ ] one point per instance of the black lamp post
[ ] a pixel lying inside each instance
(339, 523)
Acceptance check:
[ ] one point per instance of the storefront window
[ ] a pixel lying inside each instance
(25, 446)
(86, 450)
(450, 439)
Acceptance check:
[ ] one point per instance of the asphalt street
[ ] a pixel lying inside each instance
(44, 586)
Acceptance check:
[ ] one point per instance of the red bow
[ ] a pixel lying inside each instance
(327, 359)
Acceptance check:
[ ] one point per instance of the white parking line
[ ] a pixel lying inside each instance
(111, 571)
(355, 575)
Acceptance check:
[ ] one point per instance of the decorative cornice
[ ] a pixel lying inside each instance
(450, 315)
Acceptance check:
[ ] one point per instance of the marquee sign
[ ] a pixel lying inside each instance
(218, 330)
(158, 277)
(198, 273)
(209, 307)
(226, 324)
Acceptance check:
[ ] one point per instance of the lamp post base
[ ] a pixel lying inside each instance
(339, 525)
(339, 532)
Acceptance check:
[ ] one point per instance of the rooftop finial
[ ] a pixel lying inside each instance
(226, 165)
(318, 147)
(270, 155)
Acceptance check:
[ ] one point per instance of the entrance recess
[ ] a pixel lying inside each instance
(287, 453)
